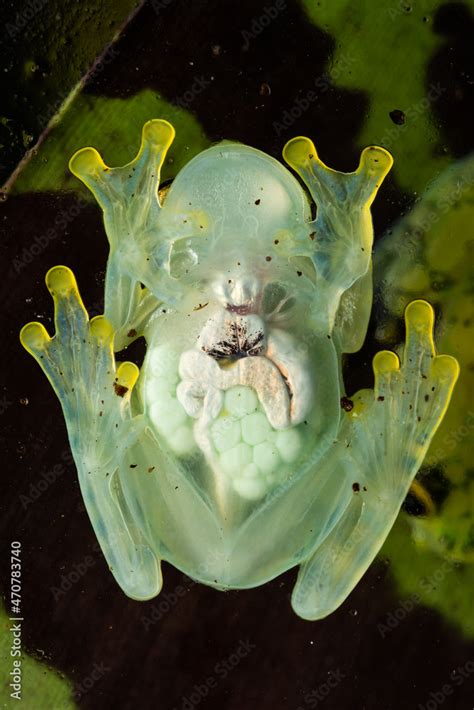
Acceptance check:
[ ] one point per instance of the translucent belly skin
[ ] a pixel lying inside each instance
(234, 452)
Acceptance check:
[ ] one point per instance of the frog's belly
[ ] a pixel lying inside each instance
(266, 544)
(187, 531)
(238, 493)
(245, 419)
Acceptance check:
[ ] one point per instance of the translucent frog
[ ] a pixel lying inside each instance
(229, 454)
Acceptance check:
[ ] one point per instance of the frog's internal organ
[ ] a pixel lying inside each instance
(243, 383)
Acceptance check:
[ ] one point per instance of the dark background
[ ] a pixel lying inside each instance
(157, 654)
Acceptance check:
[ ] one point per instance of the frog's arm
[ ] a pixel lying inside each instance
(342, 232)
(95, 397)
(388, 434)
(128, 196)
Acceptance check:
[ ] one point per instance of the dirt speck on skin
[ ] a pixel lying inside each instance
(347, 404)
(120, 390)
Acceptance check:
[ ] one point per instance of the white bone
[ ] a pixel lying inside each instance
(265, 378)
(257, 372)
(213, 401)
(295, 367)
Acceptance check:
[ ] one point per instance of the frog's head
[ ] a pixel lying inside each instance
(233, 219)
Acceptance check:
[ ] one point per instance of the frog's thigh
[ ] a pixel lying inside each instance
(80, 365)
(129, 555)
(328, 577)
(126, 546)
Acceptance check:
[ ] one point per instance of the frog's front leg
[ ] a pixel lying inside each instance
(341, 235)
(128, 196)
(95, 397)
(387, 436)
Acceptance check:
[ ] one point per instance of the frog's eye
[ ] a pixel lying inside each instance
(182, 259)
(303, 266)
(276, 300)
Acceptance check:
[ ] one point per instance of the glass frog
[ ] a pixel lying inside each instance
(229, 454)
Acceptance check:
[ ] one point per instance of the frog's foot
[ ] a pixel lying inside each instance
(79, 363)
(387, 433)
(409, 403)
(95, 397)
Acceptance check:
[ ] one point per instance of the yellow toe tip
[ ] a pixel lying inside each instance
(34, 337)
(60, 281)
(127, 374)
(446, 369)
(101, 329)
(158, 132)
(420, 315)
(385, 361)
(376, 160)
(299, 151)
(86, 162)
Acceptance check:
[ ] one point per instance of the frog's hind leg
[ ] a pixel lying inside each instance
(95, 397)
(388, 433)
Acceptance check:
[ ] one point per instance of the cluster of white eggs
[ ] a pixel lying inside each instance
(245, 447)
(250, 451)
(164, 410)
